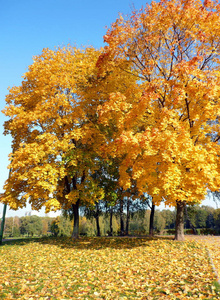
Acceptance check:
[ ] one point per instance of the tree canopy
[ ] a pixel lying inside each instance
(169, 134)
(49, 120)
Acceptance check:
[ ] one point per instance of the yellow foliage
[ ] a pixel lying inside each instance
(167, 126)
(50, 120)
(53, 120)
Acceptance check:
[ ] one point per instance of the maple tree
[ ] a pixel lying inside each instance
(56, 138)
(167, 124)
(52, 140)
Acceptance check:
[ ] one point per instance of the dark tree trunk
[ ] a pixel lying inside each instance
(121, 219)
(97, 213)
(179, 230)
(75, 207)
(151, 229)
(128, 217)
(111, 228)
(97, 225)
(190, 223)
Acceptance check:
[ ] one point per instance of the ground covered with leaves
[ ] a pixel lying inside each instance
(106, 268)
(212, 244)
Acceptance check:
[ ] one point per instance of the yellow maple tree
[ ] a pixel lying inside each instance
(167, 124)
(49, 120)
(56, 137)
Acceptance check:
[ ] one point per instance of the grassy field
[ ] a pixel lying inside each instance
(108, 268)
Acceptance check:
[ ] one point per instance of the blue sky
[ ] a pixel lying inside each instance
(28, 26)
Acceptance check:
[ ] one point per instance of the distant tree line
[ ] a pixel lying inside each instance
(99, 221)
(202, 219)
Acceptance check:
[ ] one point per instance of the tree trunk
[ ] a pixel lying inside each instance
(111, 228)
(128, 217)
(179, 232)
(121, 219)
(151, 229)
(97, 213)
(75, 207)
(97, 225)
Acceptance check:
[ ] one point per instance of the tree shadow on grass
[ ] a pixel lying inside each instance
(93, 243)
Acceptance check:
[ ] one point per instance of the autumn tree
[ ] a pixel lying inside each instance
(53, 143)
(57, 139)
(54, 227)
(168, 127)
(45, 226)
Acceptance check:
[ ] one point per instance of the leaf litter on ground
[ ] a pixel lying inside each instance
(106, 268)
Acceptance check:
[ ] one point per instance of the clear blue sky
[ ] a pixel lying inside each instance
(28, 26)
